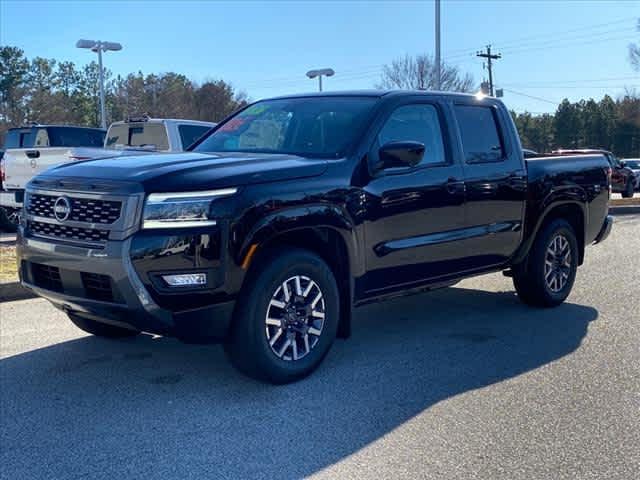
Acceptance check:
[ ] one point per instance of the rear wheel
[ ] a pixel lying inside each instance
(101, 329)
(546, 277)
(628, 191)
(287, 318)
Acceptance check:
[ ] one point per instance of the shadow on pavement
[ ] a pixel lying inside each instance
(154, 407)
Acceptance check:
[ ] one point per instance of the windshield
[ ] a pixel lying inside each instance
(144, 135)
(314, 126)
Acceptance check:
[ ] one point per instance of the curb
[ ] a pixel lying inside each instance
(624, 210)
(10, 292)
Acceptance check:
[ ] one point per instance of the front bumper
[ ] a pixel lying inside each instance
(130, 304)
(605, 230)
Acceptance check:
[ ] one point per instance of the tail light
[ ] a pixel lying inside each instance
(2, 175)
(609, 175)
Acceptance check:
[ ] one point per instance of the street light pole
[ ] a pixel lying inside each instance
(103, 115)
(438, 72)
(98, 47)
(327, 72)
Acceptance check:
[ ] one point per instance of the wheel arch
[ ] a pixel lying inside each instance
(329, 234)
(573, 212)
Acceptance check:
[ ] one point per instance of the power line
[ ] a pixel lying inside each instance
(536, 38)
(532, 97)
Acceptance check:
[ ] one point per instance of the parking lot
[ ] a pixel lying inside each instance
(461, 383)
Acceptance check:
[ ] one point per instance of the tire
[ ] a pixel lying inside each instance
(101, 329)
(9, 219)
(543, 284)
(628, 191)
(255, 347)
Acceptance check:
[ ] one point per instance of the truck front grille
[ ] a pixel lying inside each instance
(86, 210)
(67, 233)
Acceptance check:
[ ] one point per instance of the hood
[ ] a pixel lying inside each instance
(192, 171)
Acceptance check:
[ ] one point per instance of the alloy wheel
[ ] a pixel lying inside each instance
(557, 263)
(295, 318)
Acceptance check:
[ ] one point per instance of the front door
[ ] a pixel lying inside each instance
(413, 213)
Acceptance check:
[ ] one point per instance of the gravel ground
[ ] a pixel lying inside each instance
(461, 383)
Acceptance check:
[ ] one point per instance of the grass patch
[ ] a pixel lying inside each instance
(8, 265)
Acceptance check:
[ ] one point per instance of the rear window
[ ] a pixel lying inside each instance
(190, 133)
(54, 137)
(75, 137)
(481, 140)
(143, 135)
(20, 138)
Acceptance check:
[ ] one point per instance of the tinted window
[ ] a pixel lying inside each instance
(74, 137)
(190, 133)
(20, 138)
(146, 135)
(417, 123)
(480, 138)
(313, 126)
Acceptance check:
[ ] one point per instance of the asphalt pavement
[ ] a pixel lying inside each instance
(461, 383)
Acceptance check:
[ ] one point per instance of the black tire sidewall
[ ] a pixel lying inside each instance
(538, 260)
(249, 348)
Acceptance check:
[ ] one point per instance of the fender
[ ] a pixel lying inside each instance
(312, 216)
(536, 215)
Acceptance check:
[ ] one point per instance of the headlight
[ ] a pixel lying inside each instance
(181, 209)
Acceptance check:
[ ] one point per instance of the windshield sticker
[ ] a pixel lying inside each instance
(233, 124)
(256, 109)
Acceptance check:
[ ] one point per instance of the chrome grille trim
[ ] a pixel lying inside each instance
(97, 232)
(85, 210)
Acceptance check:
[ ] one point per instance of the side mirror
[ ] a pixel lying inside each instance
(400, 154)
(623, 163)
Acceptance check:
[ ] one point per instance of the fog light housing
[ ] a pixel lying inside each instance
(186, 279)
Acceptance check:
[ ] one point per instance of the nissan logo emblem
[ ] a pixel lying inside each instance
(61, 209)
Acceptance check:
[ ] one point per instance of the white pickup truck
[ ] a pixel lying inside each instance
(32, 150)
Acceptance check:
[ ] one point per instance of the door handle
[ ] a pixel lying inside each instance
(455, 186)
(517, 180)
(33, 153)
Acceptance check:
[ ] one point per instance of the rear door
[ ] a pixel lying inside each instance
(495, 180)
(413, 213)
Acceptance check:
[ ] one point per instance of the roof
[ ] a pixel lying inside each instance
(170, 120)
(377, 93)
(37, 125)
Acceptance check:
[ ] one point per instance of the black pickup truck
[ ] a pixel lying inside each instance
(295, 210)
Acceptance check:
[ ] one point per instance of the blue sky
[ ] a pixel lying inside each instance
(551, 49)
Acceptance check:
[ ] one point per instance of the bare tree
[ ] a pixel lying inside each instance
(634, 53)
(419, 73)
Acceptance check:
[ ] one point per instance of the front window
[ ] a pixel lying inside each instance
(322, 127)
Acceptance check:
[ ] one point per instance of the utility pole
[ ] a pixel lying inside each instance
(438, 61)
(489, 57)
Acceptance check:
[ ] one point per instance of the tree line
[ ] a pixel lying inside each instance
(43, 90)
(610, 124)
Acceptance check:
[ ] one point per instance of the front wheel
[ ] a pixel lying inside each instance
(546, 277)
(286, 318)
